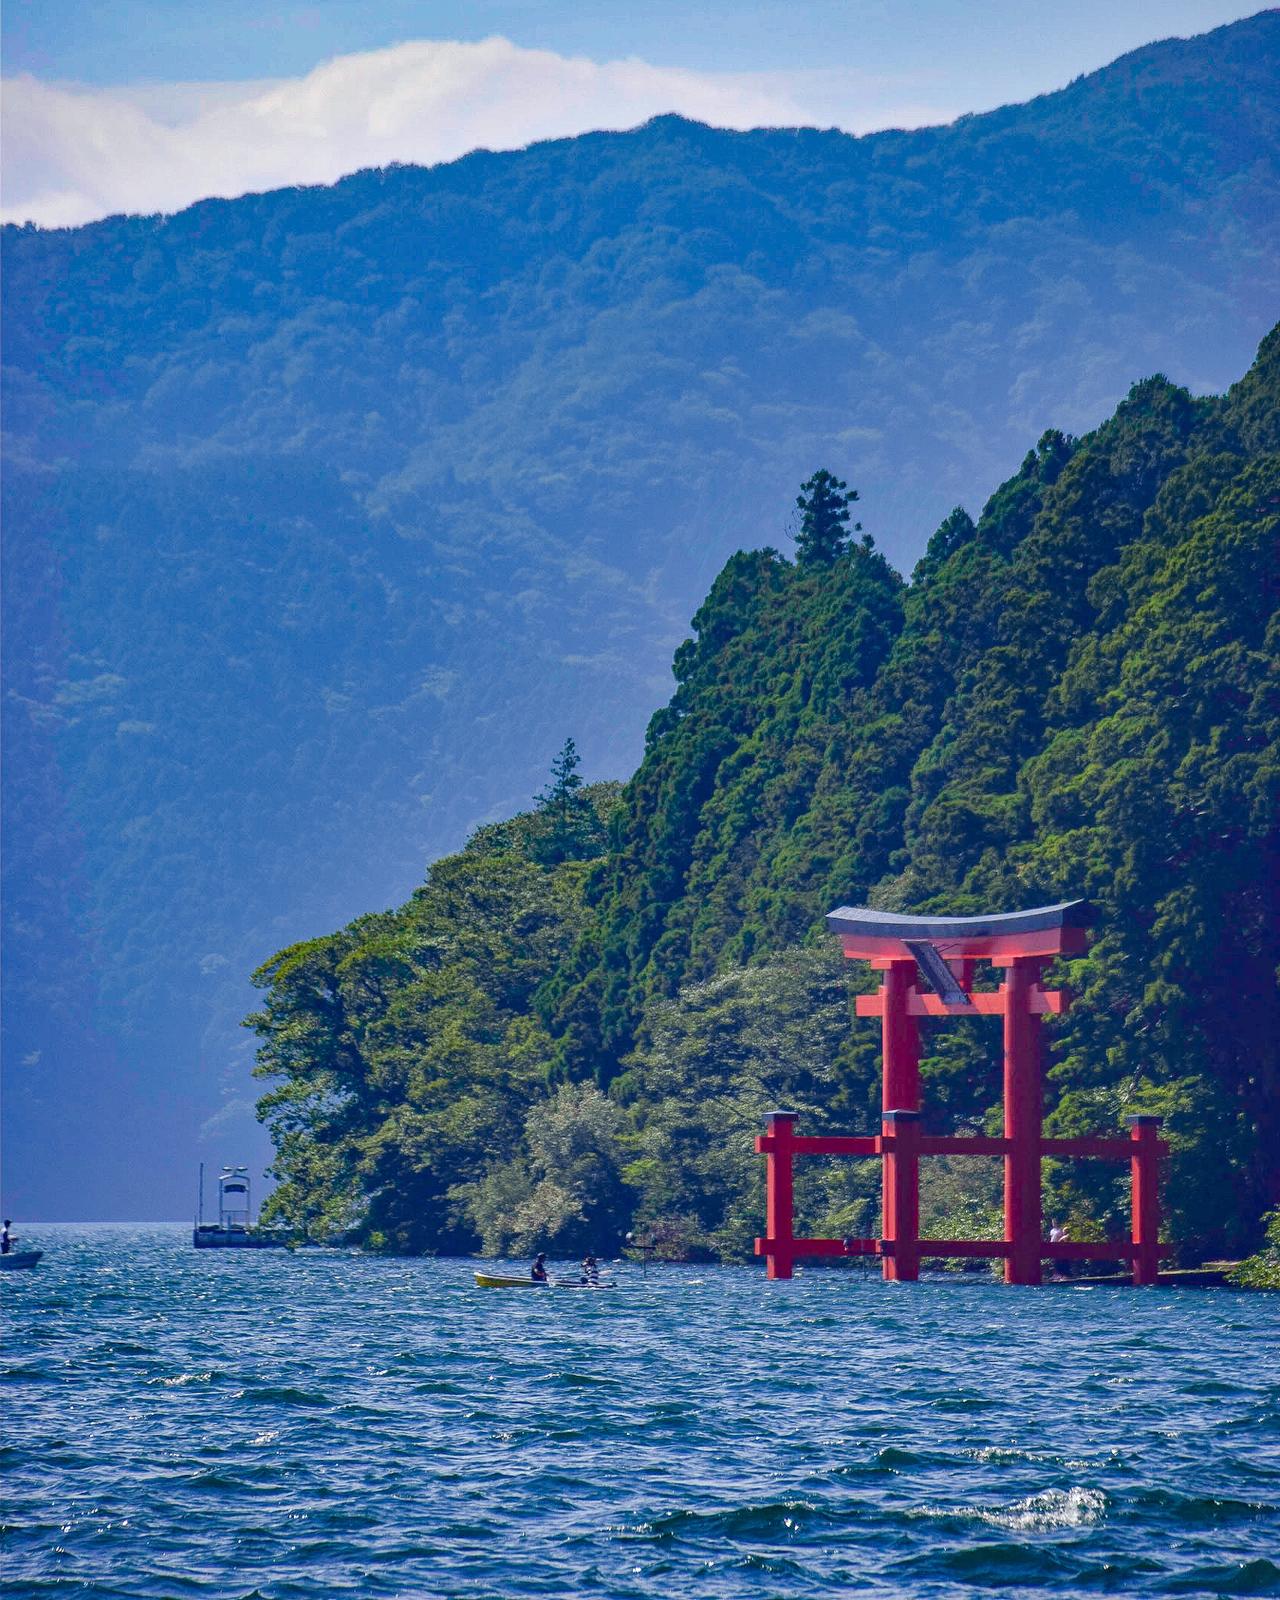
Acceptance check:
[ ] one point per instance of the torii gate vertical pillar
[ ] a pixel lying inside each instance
(779, 1223)
(900, 1038)
(901, 1196)
(1144, 1166)
(1023, 1224)
(900, 1045)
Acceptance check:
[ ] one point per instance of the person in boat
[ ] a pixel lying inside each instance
(538, 1271)
(6, 1238)
(591, 1271)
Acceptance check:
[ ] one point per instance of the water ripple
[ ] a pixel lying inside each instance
(271, 1426)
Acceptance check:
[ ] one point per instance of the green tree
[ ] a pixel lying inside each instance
(401, 1056)
(824, 502)
(567, 1194)
(712, 1061)
(1262, 1271)
(957, 529)
(567, 824)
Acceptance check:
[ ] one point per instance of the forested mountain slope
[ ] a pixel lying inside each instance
(329, 512)
(1079, 694)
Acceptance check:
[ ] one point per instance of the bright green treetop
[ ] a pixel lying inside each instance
(568, 826)
(824, 502)
(824, 512)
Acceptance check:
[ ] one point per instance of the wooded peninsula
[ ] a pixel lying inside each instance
(574, 1026)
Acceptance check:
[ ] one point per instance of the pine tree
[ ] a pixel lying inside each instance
(569, 828)
(824, 503)
(957, 529)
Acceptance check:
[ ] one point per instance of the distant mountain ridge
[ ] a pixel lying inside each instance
(330, 511)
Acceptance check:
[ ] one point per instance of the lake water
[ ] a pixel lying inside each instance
(322, 1423)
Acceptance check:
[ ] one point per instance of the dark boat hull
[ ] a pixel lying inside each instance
(212, 1237)
(17, 1260)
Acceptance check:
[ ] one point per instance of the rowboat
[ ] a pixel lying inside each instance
(17, 1259)
(499, 1280)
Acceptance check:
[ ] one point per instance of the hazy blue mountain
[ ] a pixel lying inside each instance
(330, 512)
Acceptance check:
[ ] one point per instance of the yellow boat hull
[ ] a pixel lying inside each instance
(497, 1280)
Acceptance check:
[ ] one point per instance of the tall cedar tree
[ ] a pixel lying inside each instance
(569, 828)
(824, 503)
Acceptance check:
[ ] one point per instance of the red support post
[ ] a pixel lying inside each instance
(779, 1223)
(1023, 1224)
(1144, 1174)
(902, 1195)
(900, 1038)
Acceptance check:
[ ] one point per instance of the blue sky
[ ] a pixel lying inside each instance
(149, 105)
(999, 49)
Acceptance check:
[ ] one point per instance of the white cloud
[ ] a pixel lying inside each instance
(72, 154)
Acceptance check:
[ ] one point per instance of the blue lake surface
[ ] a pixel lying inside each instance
(322, 1423)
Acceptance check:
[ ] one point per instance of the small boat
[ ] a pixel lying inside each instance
(499, 1280)
(17, 1259)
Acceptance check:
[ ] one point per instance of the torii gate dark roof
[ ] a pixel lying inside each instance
(870, 935)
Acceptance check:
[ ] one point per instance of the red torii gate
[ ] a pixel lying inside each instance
(945, 952)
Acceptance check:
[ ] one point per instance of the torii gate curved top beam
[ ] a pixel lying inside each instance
(869, 935)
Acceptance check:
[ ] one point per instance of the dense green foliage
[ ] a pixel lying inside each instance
(328, 510)
(1076, 694)
(1262, 1271)
(407, 1054)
